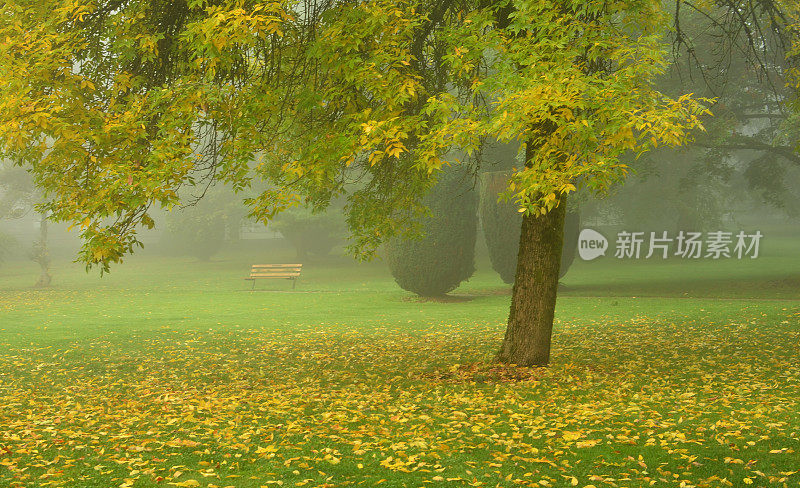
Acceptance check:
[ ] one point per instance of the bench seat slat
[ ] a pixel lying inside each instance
(270, 272)
(275, 275)
(276, 270)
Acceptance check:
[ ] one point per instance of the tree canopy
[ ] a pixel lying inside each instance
(115, 105)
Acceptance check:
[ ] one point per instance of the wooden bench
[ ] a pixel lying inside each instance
(280, 271)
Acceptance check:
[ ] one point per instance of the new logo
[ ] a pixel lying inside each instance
(591, 244)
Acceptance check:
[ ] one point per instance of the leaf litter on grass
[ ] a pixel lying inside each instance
(634, 403)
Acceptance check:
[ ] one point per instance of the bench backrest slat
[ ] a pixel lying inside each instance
(277, 266)
(275, 270)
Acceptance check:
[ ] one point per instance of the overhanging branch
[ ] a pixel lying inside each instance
(749, 144)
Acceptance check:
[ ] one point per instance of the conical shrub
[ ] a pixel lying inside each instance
(444, 256)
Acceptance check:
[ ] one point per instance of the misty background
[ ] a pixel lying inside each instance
(742, 174)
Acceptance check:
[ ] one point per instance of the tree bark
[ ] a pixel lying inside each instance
(533, 300)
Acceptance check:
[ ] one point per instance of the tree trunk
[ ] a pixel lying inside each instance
(42, 255)
(533, 300)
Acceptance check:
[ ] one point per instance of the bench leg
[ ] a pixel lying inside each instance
(294, 282)
(254, 285)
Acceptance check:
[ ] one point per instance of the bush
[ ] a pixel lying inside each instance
(6, 243)
(200, 230)
(198, 234)
(309, 232)
(501, 223)
(444, 256)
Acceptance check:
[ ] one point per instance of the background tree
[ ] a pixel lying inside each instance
(436, 262)
(18, 196)
(17, 193)
(201, 228)
(40, 253)
(311, 232)
(688, 189)
(746, 156)
(739, 56)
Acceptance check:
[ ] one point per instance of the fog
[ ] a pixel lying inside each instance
(690, 189)
(566, 299)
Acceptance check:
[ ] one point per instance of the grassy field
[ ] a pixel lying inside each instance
(170, 372)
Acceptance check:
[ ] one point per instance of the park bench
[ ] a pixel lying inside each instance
(279, 271)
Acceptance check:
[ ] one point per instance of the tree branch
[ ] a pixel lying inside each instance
(743, 143)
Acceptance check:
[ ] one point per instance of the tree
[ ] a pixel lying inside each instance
(436, 262)
(40, 254)
(197, 231)
(17, 193)
(201, 227)
(736, 56)
(18, 196)
(115, 106)
(747, 150)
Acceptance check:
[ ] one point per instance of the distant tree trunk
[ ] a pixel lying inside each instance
(301, 250)
(42, 255)
(533, 299)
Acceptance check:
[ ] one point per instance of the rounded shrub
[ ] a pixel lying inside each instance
(196, 234)
(311, 233)
(201, 230)
(444, 256)
(501, 223)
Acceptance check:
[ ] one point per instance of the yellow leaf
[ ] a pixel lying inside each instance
(267, 449)
(187, 483)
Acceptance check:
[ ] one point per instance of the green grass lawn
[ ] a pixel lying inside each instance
(170, 372)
